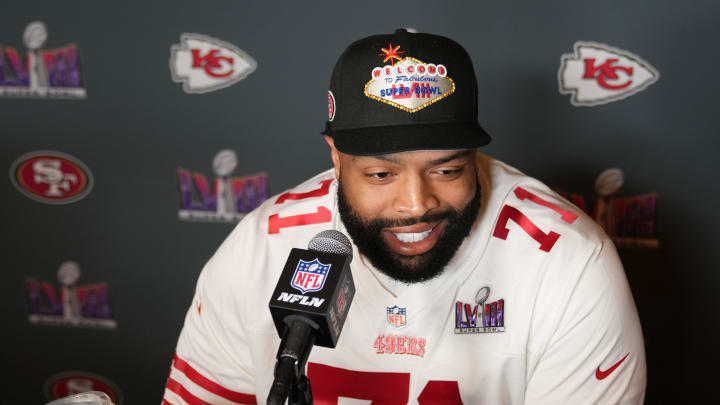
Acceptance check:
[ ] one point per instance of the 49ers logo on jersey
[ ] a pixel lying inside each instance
(597, 74)
(51, 177)
(206, 64)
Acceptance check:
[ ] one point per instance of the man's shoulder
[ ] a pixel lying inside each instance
(286, 220)
(518, 203)
(292, 213)
(246, 266)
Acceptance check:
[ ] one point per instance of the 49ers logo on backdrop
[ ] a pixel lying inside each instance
(76, 382)
(597, 74)
(206, 64)
(51, 177)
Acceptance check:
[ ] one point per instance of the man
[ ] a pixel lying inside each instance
(475, 283)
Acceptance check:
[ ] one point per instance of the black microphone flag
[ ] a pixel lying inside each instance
(309, 307)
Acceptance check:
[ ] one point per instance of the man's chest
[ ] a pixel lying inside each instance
(458, 346)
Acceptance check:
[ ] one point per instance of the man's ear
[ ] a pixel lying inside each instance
(334, 155)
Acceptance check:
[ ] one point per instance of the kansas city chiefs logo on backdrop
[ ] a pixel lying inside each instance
(597, 74)
(206, 64)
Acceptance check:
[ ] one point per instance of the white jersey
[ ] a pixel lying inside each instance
(534, 308)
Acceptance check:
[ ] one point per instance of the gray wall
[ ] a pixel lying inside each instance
(136, 127)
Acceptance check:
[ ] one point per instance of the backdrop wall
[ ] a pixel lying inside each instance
(124, 127)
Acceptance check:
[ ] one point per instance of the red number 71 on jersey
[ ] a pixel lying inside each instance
(275, 222)
(546, 240)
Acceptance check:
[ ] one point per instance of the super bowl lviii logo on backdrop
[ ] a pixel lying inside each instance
(229, 200)
(204, 64)
(51, 177)
(73, 305)
(630, 221)
(597, 74)
(40, 73)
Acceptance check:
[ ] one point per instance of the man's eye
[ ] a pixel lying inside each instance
(378, 176)
(448, 172)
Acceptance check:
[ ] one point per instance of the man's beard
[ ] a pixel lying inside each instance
(365, 233)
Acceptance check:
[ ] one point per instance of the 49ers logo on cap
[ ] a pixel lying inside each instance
(331, 106)
(206, 64)
(51, 177)
(408, 84)
(597, 74)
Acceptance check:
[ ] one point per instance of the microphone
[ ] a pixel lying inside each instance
(309, 307)
(85, 398)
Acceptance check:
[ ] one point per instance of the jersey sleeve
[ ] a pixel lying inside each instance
(594, 353)
(212, 362)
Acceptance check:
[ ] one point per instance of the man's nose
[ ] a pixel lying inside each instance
(415, 196)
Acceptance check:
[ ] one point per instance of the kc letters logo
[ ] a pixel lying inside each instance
(231, 198)
(205, 64)
(310, 276)
(51, 177)
(483, 317)
(598, 74)
(409, 85)
(42, 73)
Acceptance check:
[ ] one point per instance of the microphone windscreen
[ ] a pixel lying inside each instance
(332, 241)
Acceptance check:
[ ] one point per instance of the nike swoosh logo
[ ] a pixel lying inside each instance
(601, 375)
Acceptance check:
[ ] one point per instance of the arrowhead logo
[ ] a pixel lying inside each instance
(203, 64)
(598, 74)
(601, 375)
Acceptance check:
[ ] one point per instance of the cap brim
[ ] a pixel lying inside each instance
(403, 138)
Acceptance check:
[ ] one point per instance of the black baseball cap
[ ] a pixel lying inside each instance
(401, 92)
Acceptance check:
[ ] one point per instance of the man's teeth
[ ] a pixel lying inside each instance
(412, 237)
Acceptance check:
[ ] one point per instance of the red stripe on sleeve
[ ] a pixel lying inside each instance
(186, 395)
(210, 385)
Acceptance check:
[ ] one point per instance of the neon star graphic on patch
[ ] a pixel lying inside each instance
(391, 53)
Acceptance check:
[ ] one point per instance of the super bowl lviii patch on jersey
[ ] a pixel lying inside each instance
(484, 317)
(310, 276)
(408, 84)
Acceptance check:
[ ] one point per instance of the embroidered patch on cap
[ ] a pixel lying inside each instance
(409, 85)
(331, 106)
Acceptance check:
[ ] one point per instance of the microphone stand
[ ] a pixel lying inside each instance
(290, 379)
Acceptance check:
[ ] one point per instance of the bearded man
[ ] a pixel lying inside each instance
(475, 284)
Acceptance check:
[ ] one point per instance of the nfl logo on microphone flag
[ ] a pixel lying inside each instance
(309, 276)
